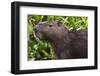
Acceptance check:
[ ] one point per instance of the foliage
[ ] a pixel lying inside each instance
(41, 49)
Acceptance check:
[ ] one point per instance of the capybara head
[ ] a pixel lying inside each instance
(51, 31)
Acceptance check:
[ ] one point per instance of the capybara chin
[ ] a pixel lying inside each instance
(67, 44)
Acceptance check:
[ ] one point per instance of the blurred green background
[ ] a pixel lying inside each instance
(41, 49)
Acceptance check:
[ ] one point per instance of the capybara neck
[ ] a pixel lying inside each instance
(61, 46)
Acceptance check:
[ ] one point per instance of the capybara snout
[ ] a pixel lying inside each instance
(40, 26)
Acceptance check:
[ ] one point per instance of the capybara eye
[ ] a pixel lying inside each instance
(50, 25)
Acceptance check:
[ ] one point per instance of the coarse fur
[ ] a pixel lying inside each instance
(67, 44)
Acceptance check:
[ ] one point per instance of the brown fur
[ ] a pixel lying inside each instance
(67, 44)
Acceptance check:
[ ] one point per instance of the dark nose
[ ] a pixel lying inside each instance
(35, 30)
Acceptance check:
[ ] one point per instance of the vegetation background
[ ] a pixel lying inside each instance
(41, 49)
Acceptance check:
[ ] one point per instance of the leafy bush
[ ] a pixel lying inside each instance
(41, 49)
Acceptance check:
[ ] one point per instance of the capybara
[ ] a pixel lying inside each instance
(67, 44)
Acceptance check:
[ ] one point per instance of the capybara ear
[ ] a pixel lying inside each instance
(56, 23)
(59, 23)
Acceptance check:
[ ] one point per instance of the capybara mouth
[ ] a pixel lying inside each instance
(36, 36)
